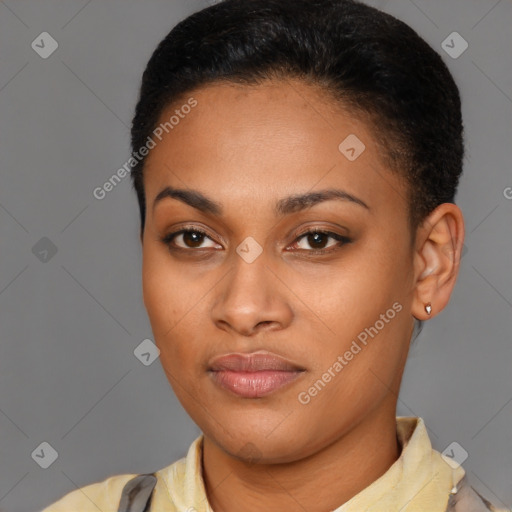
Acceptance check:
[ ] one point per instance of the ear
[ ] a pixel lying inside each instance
(438, 248)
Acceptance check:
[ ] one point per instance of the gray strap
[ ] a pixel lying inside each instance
(137, 492)
(467, 499)
(136, 496)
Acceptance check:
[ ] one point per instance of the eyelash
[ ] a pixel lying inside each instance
(169, 238)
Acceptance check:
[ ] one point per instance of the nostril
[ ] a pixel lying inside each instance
(265, 324)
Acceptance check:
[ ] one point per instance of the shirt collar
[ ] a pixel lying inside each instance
(420, 479)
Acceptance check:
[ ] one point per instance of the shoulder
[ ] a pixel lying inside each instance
(102, 496)
(105, 496)
(466, 498)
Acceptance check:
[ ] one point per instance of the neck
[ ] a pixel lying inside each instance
(320, 482)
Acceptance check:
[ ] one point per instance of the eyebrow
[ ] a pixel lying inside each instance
(284, 206)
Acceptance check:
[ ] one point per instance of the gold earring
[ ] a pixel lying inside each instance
(428, 308)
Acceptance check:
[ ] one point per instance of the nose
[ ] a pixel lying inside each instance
(251, 299)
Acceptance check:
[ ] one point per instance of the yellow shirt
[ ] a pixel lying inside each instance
(420, 480)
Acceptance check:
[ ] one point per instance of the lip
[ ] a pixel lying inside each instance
(253, 362)
(253, 375)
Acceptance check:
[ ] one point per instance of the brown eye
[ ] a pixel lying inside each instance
(187, 239)
(317, 240)
(192, 238)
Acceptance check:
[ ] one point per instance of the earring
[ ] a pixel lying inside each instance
(428, 308)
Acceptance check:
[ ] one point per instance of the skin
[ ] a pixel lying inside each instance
(246, 147)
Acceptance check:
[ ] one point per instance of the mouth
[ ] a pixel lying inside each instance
(253, 375)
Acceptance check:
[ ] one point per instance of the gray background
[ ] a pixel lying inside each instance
(69, 325)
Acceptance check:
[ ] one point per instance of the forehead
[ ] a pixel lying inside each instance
(240, 143)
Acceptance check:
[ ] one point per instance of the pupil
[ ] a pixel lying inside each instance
(194, 237)
(315, 237)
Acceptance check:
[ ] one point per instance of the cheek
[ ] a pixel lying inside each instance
(364, 300)
(160, 292)
(174, 309)
(351, 294)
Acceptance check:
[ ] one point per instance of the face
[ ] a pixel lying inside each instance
(325, 282)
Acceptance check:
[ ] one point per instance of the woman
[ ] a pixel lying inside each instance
(296, 164)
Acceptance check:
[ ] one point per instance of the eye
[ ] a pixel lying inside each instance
(188, 238)
(317, 239)
(193, 238)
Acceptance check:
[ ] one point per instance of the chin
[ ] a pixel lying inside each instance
(252, 442)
